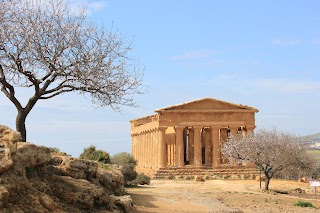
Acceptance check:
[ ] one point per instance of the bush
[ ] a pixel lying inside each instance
(303, 204)
(141, 179)
(128, 164)
(54, 149)
(99, 155)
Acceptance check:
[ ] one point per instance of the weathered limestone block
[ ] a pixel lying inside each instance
(112, 180)
(303, 180)
(5, 164)
(79, 168)
(124, 201)
(199, 179)
(8, 135)
(82, 193)
(31, 155)
(48, 202)
(8, 141)
(4, 196)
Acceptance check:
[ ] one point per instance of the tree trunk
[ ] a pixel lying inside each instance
(266, 183)
(21, 124)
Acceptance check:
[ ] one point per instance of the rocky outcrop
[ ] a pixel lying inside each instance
(74, 167)
(8, 135)
(36, 180)
(303, 180)
(8, 142)
(112, 180)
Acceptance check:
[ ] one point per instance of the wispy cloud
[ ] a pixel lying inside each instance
(285, 42)
(97, 5)
(197, 54)
(91, 6)
(289, 86)
(77, 7)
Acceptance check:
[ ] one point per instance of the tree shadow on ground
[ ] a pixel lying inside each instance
(141, 200)
(140, 187)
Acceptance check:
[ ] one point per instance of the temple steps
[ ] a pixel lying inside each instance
(207, 173)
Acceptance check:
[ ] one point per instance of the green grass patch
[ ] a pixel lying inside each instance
(304, 204)
(314, 153)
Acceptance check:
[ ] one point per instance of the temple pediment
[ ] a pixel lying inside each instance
(207, 104)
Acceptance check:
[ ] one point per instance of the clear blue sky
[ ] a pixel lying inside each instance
(262, 54)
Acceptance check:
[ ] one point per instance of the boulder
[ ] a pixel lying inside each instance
(124, 202)
(31, 155)
(5, 164)
(199, 179)
(8, 135)
(78, 168)
(112, 180)
(80, 192)
(8, 141)
(4, 196)
(303, 180)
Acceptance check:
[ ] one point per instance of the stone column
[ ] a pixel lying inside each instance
(215, 139)
(140, 148)
(156, 150)
(137, 149)
(153, 150)
(132, 146)
(197, 146)
(191, 146)
(148, 148)
(179, 146)
(143, 140)
(162, 147)
(169, 151)
(208, 147)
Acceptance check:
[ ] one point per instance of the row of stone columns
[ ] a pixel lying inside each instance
(144, 148)
(212, 144)
(150, 147)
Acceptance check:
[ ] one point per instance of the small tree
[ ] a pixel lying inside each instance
(46, 47)
(128, 164)
(91, 153)
(271, 151)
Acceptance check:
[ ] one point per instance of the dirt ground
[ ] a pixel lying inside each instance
(221, 196)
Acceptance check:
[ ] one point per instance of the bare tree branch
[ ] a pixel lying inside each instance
(271, 151)
(46, 46)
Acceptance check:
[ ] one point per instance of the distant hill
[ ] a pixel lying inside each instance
(312, 137)
(314, 140)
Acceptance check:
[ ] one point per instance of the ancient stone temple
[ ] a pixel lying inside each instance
(188, 134)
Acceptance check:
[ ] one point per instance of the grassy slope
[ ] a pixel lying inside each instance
(313, 136)
(314, 153)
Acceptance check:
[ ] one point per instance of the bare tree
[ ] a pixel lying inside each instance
(271, 151)
(46, 46)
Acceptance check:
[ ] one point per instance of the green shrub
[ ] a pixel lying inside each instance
(128, 164)
(54, 149)
(141, 179)
(99, 155)
(303, 204)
